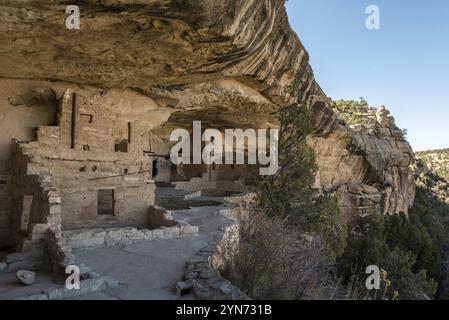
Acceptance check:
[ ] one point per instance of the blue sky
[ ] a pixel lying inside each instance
(404, 65)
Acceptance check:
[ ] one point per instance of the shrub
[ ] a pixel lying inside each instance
(275, 261)
(289, 239)
(348, 111)
(412, 250)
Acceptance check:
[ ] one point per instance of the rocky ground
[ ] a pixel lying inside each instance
(144, 270)
(10, 288)
(150, 269)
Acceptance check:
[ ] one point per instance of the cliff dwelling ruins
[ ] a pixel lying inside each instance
(89, 164)
(85, 120)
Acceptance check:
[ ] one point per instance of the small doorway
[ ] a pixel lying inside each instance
(155, 169)
(105, 202)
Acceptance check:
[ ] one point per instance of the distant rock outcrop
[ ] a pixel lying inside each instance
(367, 165)
(436, 160)
(432, 173)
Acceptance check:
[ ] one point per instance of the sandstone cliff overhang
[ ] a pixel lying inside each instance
(225, 62)
(154, 43)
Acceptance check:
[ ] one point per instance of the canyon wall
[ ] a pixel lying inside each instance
(367, 166)
(224, 62)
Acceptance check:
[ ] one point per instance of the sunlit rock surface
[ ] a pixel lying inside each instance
(224, 62)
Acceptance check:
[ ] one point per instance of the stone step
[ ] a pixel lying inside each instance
(193, 195)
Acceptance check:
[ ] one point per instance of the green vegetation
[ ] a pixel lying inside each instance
(429, 152)
(289, 194)
(349, 111)
(289, 239)
(413, 250)
(437, 161)
(291, 185)
(432, 181)
(292, 246)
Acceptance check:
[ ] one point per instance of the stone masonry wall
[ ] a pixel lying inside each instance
(202, 273)
(82, 158)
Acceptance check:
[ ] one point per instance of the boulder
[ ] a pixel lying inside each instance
(26, 277)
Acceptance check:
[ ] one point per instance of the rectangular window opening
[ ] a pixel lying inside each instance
(86, 118)
(105, 202)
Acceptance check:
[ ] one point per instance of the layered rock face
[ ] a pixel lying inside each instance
(368, 166)
(224, 62)
(147, 43)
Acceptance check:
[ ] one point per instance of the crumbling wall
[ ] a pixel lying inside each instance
(36, 211)
(159, 217)
(23, 107)
(82, 158)
(214, 172)
(202, 272)
(77, 155)
(89, 141)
